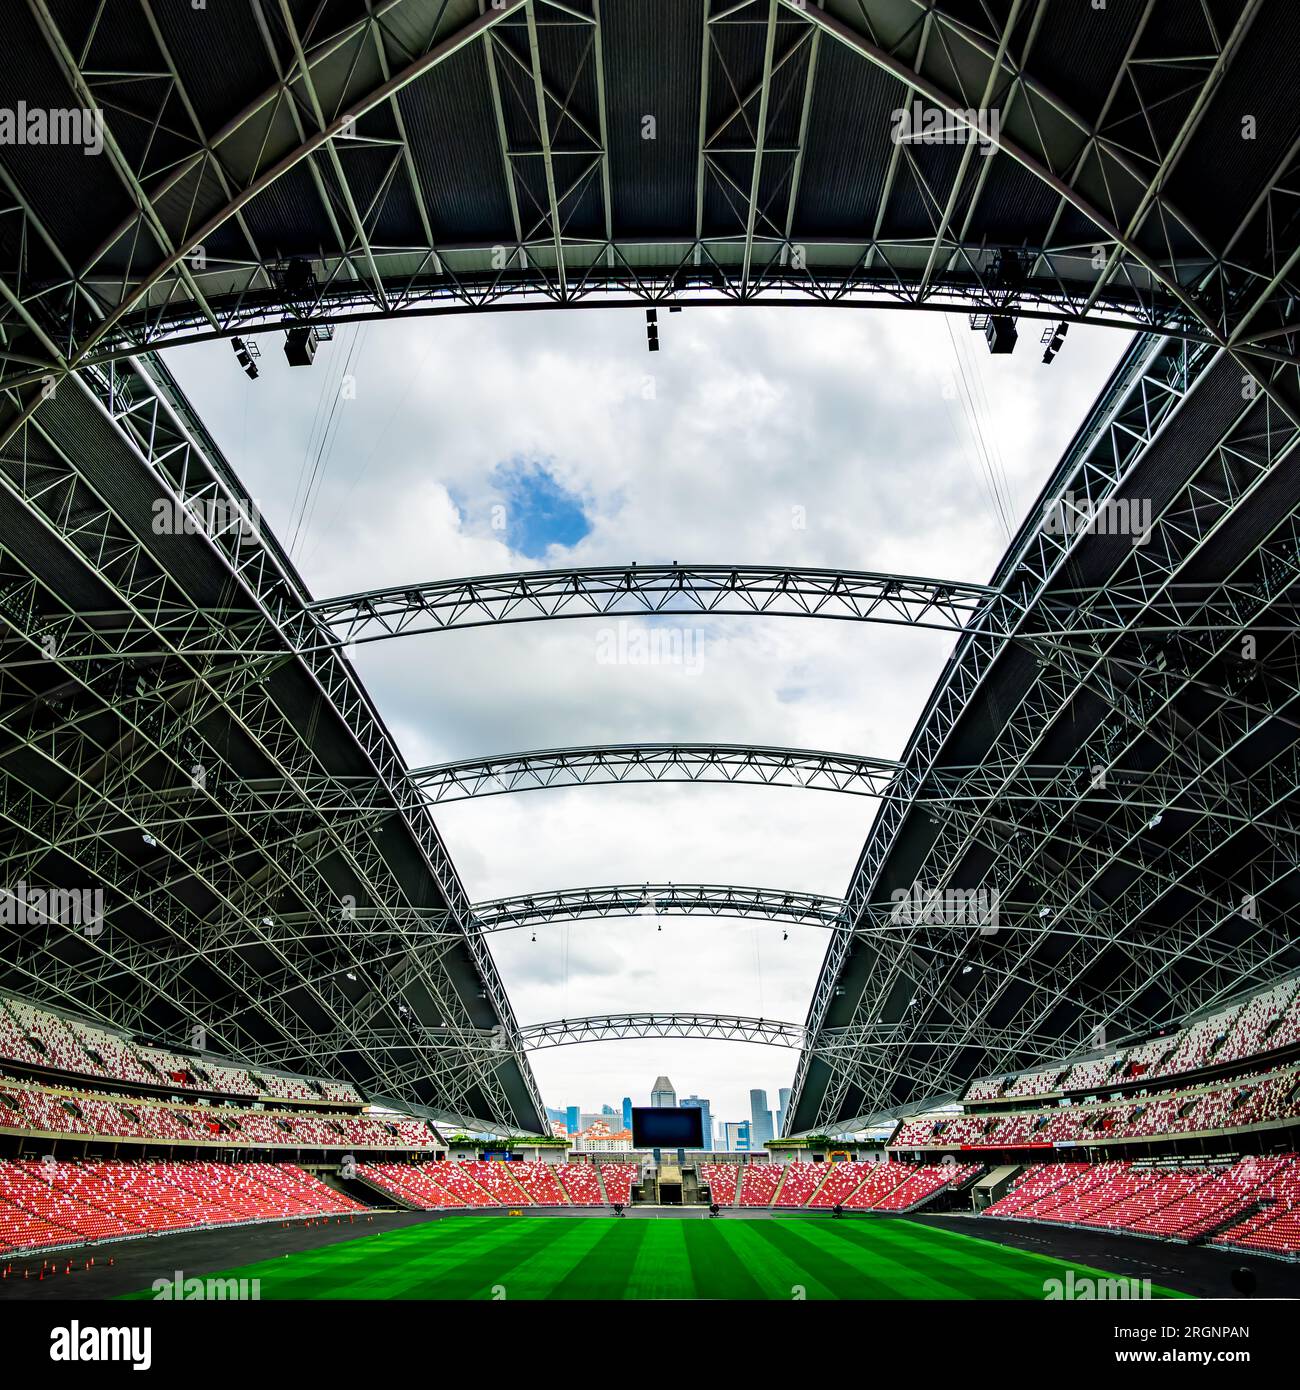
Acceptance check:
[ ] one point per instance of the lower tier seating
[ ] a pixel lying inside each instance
(541, 1183)
(758, 1184)
(722, 1180)
(487, 1183)
(618, 1179)
(888, 1186)
(799, 1182)
(581, 1183)
(45, 1203)
(1251, 1204)
(841, 1183)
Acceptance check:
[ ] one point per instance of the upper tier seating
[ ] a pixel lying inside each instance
(1266, 1022)
(1223, 1105)
(64, 1110)
(38, 1037)
(53, 1045)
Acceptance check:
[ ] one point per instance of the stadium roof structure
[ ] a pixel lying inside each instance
(279, 168)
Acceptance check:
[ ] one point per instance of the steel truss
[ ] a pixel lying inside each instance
(658, 899)
(1058, 847)
(708, 1027)
(126, 978)
(175, 245)
(615, 591)
(182, 249)
(847, 773)
(237, 636)
(549, 768)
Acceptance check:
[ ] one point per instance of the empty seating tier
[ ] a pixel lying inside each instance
(453, 1183)
(722, 1180)
(1188, 1202)
(1212, 1107)
(1264, 1023)
(37, 1037)
(618, 1179)
(48, 1203)
(67, 1111)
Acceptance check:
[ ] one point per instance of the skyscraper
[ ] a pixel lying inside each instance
(573, 1119)
(706, 1120)
(662, 1093)
(782, 1109)
(627, 1112)
(760, 1120)
(737, 1136)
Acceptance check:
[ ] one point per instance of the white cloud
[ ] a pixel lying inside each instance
(786, 436)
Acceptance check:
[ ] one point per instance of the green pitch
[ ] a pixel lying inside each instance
(550, 1258)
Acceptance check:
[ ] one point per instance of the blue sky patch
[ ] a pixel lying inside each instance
(540, 512)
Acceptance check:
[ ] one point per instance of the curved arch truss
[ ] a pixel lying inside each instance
(950, 790)
(608, 591)
(1058, 630)
(618, 1027)
(862, 1039)
(676, 899)
(1049, 628)
(596, 764)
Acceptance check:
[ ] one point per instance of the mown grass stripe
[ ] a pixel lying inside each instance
(591, 1258)
(718, 1268)
(881, 1276)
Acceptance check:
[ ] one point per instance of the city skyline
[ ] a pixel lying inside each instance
(719, 1130)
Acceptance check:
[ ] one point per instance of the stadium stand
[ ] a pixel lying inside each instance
(1212, 1107)
(799, 1183)
(456, 1179)
(758, 1184)
(473, 1183)
(539, 1180)
(497, 1179)
(1250, 1204)
(618, 1179)
(841, 1183)
(892, 1185)
(1262, 1024)
(45, 1203)
(722, 1180)
(925, 1181)
(63, 1110)
(411, 1183)
(581, 1183)
(37, 1037)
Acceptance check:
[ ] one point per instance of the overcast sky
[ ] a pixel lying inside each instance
(451, 447)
